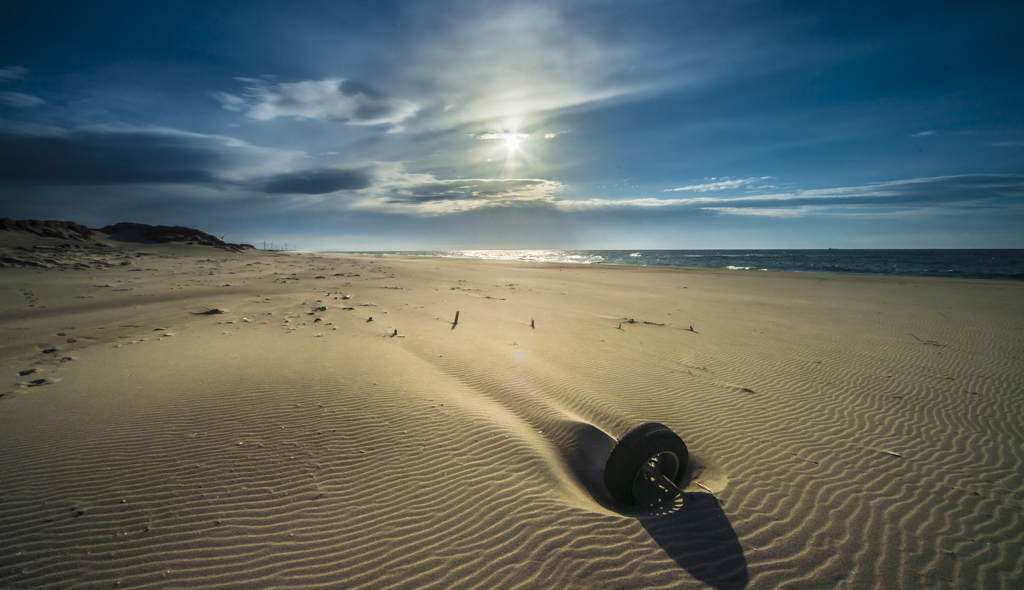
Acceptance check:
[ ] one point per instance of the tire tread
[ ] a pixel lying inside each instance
(624, 460)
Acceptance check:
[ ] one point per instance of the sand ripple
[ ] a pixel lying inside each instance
(843, 446)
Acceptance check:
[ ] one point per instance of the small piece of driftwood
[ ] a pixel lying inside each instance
(710, 491)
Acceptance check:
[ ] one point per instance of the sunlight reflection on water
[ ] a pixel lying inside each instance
(528, 255)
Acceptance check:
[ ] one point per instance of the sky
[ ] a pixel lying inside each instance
(423, 125)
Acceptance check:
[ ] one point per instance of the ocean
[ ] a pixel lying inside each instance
(972, 264)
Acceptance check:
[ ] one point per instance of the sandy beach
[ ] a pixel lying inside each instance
(186, 416)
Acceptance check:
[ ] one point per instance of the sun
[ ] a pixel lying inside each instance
(512, 142)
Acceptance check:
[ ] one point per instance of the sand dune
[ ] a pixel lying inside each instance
(845, 432)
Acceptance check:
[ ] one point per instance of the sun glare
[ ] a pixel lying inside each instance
(512, 142)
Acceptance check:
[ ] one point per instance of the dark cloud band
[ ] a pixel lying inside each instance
(317, 182)
(97, 157)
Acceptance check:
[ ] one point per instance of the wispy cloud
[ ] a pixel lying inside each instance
(924, 133)
(330, 99)
(525, 61)
(12, 73)
(756, 212)
(943, 192)
(19, 100)
(719, 185)
(504, 136)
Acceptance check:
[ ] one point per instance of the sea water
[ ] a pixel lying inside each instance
(974, 264)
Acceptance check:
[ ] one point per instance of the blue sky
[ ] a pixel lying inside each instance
(424, 125)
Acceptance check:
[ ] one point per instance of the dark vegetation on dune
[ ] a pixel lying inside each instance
(68, 245)
(125, 231)
(67, 230)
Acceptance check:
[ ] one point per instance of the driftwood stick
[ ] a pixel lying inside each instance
(456, 322)
(531, 324)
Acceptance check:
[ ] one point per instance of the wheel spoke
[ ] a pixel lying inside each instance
(659, 477)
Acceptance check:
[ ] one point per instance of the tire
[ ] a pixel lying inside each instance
(639, 446)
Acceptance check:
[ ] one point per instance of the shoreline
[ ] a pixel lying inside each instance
(960, 274)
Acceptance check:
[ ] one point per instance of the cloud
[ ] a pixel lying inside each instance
(12, 73)
(501, 135)
(1009, 144)
(109, 155)
(317, 182)
(212, 165)
(755, 212)
(718, 186)
(162, 157)
(924, 133)
(947, 193)
(525, 61)
(552, 135)
(479, 191)
(19, 100)
(397, 191)
(231, 102)
(329, 99)
(385, 187)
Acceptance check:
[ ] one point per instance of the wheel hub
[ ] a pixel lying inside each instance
(667, 463)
